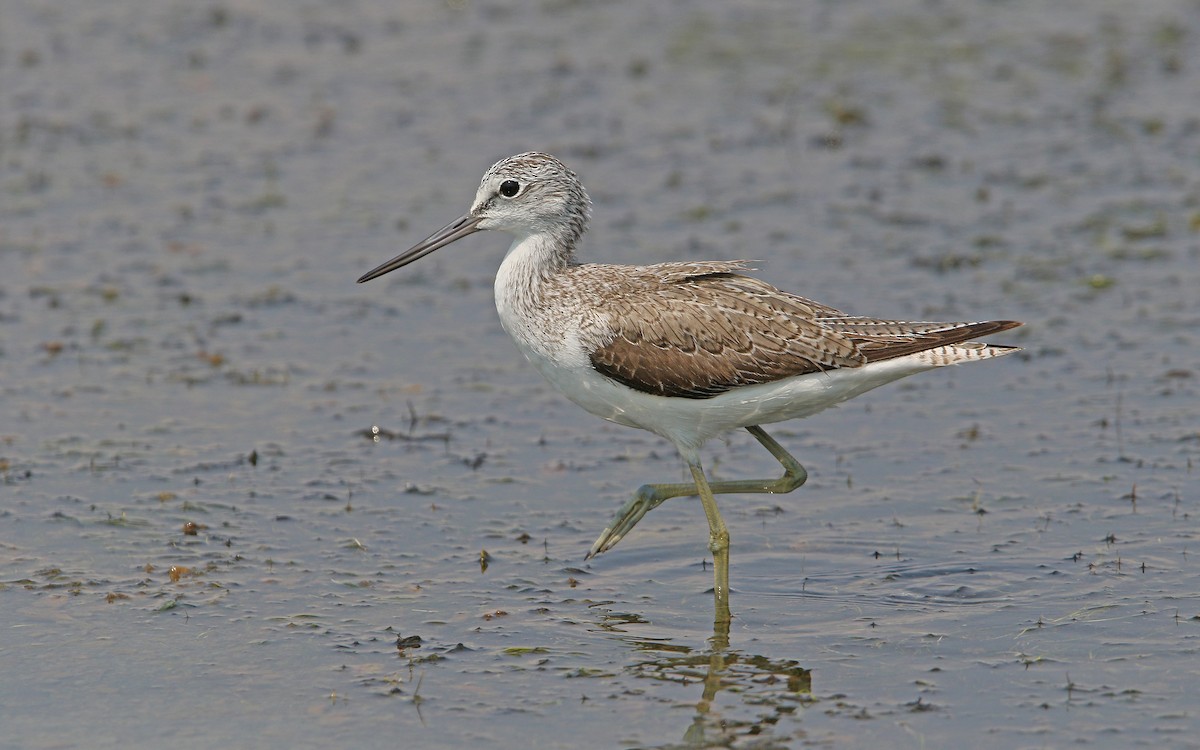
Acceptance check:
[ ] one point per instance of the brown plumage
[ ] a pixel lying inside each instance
(694, 330)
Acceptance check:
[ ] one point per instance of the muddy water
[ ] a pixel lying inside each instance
(203, 542)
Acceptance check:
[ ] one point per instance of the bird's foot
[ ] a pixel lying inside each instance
(646, 499)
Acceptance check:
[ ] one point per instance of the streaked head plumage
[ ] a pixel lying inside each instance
(533, 193)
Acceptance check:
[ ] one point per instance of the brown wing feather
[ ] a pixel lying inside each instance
(697, 335)
(694, 330)
(887, 339)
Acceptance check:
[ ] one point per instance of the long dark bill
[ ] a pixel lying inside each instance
(455, 230)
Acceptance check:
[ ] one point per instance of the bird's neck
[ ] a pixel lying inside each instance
(534, 258)
(529, 267)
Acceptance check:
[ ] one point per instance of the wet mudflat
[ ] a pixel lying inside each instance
(204, 542)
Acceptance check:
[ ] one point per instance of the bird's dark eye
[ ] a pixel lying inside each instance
(509, 188)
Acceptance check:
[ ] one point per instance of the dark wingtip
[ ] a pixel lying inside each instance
(947, 337)
(1004, 325)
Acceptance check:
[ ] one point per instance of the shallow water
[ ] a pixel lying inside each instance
(1001, 555)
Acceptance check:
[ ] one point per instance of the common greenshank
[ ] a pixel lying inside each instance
(685, 350)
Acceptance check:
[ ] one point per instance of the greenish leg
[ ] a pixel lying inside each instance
(718, 543)
(650, 496)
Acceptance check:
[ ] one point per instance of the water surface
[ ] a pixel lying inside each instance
(202, 542)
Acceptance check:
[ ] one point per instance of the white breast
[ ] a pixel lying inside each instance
(545, 326)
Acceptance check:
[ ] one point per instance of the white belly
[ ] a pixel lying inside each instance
(689, 422)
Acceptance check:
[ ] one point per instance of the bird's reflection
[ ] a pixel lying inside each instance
(773, 689)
